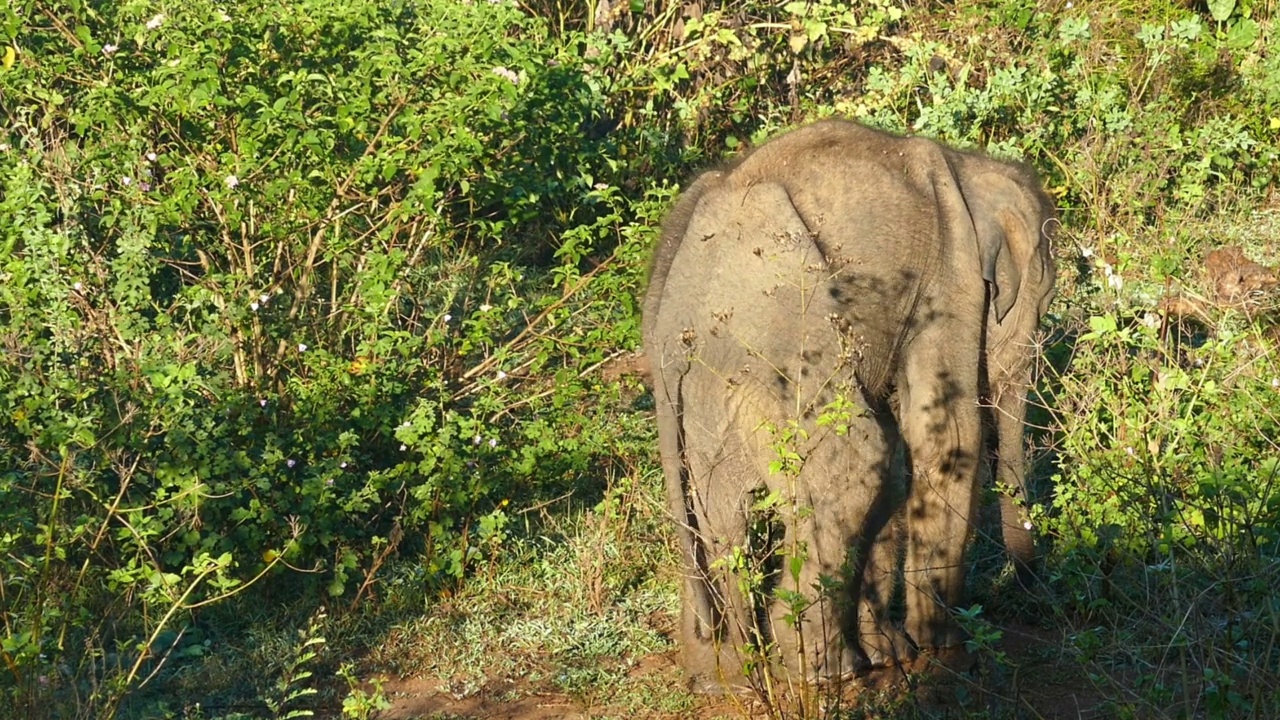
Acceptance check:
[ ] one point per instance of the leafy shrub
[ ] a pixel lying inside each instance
(296, 284)
(1173, 452)
(1176, 110)
(1165, 512)
(1167, 123)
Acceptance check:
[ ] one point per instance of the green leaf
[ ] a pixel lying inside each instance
(335, 587)
(1221, 9)
(1243, 34)
(796, 563)
(1102, 324)
(773, 499)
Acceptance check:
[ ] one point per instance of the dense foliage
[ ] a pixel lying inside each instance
(290, 290)
(290, 287)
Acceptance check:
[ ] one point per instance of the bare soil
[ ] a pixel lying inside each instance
(1037, 681)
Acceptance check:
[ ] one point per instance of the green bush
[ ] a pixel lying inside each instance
(295, 284)
(1173, 452)
(1164, 514)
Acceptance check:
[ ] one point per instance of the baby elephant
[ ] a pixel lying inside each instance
(835, 294)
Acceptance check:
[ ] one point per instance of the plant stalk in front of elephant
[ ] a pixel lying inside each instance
(884, 227)
(755, 445)
(796, 592)
(768, 569)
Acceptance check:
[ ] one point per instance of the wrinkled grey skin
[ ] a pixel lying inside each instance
(905, 278)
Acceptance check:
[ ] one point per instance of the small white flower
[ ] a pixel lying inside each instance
(343, 464)
(1086, 251)
(232, 181)
(290, 462)
(1129, 451)
(493, 442)
(1115, 281)
(507, 75)
(302, 347)
(1070, 4)
(263, 298)
(77, 286)
(502, 375)
(1275, 382)
(126, 180)
(151, 157)
(155, 21)
(486, 307)
(447, 317)
(223, 16)
(405, 424)
(263, 402)
(476, 440)
(109, 48)
(403, 447)
(4, 147)
(601, 186)
(254, 306)
(1151, 320)
(1027, 525)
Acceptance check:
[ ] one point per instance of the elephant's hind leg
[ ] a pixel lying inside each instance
(882, 642)
(721, 501)
(808, 607)
(698, 622)
(941, 425)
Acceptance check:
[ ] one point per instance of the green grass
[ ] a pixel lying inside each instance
(570, 606)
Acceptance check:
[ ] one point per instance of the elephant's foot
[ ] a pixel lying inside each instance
(714, 668)
(934, 628)
(954, 659)
(702, 684)
(717, 680)
(701, 661)
(824, 660)
(887, 646)
(835, 665)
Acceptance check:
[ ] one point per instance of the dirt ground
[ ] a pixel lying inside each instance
(1036, 681)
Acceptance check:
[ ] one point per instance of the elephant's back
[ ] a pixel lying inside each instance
(747, 305)
(870, 201)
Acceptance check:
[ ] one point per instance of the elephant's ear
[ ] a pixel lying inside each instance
(998, 265)
(1006, 209)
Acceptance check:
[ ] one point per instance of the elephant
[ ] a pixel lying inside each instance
(836, 304)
